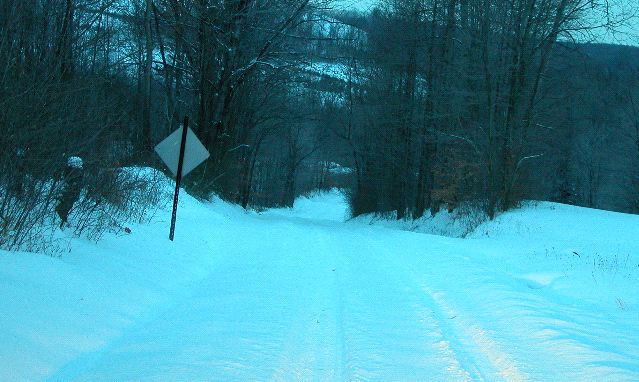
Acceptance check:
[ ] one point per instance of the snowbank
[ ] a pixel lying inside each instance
(561, 222)
(547, 292)
(54, 309)
(323, 205)
(456, 224)
(587, 253)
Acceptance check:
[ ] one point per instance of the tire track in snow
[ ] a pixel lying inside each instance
(312, 348)
(309, 348)
(477, 351)
(390, 335)
(471, 353)
(336, 308)
(452, 354)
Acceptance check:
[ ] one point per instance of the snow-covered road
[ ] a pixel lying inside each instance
(287, 298)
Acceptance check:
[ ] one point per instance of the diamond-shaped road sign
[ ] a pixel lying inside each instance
(194, 152)
(182, 152)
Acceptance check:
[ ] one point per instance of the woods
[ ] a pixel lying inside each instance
(415, 106)
(484, 115)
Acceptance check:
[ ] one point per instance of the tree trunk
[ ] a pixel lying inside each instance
(147, 141)
(64, 52)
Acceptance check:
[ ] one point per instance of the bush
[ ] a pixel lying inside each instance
(108, 198)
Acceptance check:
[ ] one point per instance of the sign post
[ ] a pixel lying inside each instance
(181, 152)
(178, 177)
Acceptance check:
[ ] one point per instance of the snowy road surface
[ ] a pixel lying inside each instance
(286, 298)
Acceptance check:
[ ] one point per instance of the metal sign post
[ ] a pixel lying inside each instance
(178, 179)
(181, 152)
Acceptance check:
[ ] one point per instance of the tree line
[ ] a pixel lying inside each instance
(490, 102)
(417, 105)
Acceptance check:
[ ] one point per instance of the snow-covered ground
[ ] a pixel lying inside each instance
(545, 293)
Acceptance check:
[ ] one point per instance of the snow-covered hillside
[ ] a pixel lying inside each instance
(355, 5)
(545, 293)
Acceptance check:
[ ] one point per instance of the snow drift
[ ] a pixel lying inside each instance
(548, 292)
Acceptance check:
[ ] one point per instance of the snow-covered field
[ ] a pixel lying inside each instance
(545, 293)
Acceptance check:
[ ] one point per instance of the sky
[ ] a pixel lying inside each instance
(628, 32)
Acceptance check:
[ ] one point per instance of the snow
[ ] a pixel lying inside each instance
(75, 162)
(330, 206)
(337, 169)
(458, 223)
(300, 294)
(333, 70)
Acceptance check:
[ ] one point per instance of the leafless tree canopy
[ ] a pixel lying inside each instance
(416, 105)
